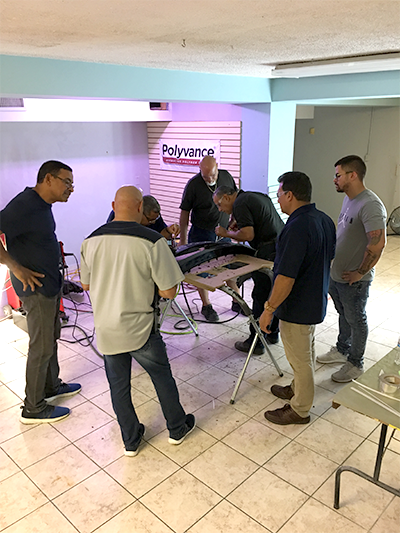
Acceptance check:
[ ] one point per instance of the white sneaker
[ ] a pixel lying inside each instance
(347, 373)
(333, 356)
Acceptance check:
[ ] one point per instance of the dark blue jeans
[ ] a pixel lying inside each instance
(199, 235)
(262, 287)
(42, 369)
(350, 302)
(154, 359)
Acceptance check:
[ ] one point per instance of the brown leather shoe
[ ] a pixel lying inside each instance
(285, 416)
(285, 393)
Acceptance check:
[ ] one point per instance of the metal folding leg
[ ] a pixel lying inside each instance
(167, 308)
(372, 479)
(259, 335)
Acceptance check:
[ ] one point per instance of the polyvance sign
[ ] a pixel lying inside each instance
(184, 154)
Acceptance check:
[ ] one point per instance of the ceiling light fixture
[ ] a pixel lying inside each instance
(343, 65)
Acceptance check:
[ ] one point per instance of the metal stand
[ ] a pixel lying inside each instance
(259, 335)
(372, 479)
(166, 309)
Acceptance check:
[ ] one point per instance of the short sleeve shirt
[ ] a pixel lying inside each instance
(198, 198)
(124, 263)
(28, 224)
(305, 249)
(257, 210)
(358, 216)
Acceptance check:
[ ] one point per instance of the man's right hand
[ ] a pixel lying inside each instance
(27, 277)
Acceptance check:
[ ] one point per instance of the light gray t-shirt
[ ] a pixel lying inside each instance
(358, 216)
(124, 263)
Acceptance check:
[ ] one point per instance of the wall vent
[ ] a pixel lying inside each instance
(11, 102)
(158, 106)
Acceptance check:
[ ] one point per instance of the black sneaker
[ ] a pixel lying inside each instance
(244, 346)
(272, 338)
(190, 424)
(134, 452)
(236, 308)
(65, 390)
(209, 314)
(49, 415)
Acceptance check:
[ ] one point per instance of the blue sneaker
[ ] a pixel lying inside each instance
(190, 424)
(65, 390)
(49, 415)
(133, 453)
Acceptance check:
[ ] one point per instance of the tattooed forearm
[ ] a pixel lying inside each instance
(375, 246)
(370, 259)
(374, 237)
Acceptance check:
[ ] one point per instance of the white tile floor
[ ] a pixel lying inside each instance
(235, 473)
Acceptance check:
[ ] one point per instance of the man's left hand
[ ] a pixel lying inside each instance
(265, 321)
(351, 276)
(221, 232)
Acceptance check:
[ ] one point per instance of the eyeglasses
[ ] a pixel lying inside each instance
(67, 182)
(337, 176)
(220, 201)
(152, 220)
(280, 193)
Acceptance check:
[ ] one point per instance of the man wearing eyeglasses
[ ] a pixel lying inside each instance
(32, 256)
(152, 217)
(361, 239)
(299, 297)
(258, 223)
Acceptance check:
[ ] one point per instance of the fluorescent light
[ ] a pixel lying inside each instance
(345, 65)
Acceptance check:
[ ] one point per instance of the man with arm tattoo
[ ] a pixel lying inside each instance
(361, 239)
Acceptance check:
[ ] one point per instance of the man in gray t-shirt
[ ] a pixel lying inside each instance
(361, 238)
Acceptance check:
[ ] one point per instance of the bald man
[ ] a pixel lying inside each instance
(197, 201)
(152, 217)
(126, 266)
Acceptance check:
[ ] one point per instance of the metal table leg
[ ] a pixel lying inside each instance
(372, 479)
(259, 335)
(167, 308)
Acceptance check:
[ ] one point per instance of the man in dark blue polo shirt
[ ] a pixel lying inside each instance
(33, 256)
(305, 249)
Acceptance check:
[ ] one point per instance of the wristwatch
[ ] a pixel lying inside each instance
(268, 307)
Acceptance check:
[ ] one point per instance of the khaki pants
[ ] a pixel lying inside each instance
(298, 340)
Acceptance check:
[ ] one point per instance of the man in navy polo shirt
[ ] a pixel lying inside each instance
(305, 249)
(33, 257)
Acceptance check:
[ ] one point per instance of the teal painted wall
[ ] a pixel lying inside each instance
(365, 85)
(26, 76)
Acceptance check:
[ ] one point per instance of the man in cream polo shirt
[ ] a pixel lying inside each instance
(126, 266)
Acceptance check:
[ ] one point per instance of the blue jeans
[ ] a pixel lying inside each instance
(42, 369)
(350, 302)
(262, 287)
(199, 235)
(154, 359)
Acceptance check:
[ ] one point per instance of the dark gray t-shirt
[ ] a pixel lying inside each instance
(257, 210)
(358, 216)
(198, 198)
